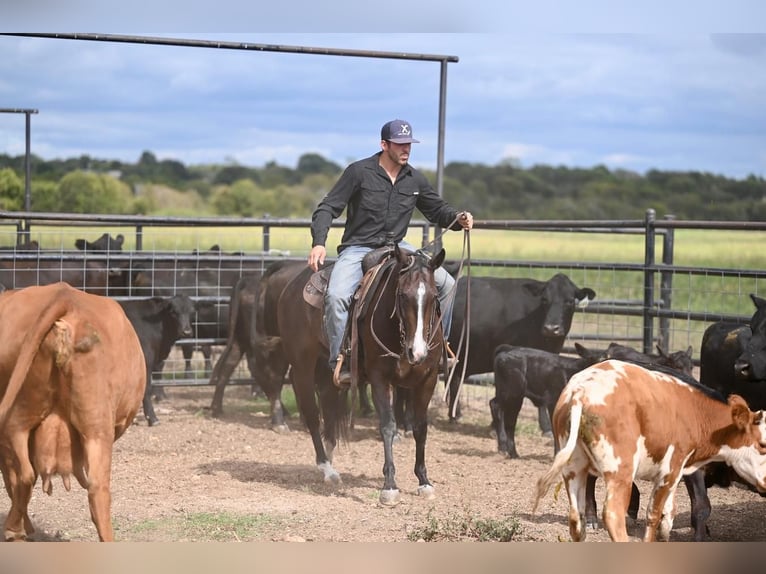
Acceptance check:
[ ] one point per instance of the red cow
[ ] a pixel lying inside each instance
(621, 421)
(72, 375)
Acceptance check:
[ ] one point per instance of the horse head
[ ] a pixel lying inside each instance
(417, 304)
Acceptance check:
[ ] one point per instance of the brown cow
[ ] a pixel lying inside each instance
(622, 421)
(72, 375)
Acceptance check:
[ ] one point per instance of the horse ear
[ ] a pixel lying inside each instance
(400, 254)
(437, 259)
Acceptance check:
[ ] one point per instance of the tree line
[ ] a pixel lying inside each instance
(503, 191)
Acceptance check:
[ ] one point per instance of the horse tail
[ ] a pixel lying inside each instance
(562, 457)
(336, 412)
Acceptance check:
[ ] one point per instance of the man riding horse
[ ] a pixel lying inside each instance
(380, 193)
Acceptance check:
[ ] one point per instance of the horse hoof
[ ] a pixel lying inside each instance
(547, 434)
(281, 429)
(427, 492)
(331, 475)
(390, 497)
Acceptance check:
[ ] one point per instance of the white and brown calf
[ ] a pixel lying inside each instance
(621, 421)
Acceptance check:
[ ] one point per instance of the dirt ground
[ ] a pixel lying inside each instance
(195, 478)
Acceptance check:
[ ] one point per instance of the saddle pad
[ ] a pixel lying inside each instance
(313, 292)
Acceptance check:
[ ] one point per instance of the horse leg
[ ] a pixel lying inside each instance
(382, 398)
(302, 376)
(420, 397)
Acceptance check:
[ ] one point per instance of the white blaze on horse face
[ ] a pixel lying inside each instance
(419, 343)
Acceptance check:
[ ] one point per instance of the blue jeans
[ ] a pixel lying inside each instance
(345, 278)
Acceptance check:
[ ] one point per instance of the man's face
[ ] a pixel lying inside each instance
(398, 153)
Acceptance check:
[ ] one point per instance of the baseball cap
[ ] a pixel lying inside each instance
(397, 131)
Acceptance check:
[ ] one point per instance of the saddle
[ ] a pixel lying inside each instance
(313, 294)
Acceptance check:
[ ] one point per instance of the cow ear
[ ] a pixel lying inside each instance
(740, 412)
(584, 295)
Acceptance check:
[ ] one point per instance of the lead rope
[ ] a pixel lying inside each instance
(465, 333)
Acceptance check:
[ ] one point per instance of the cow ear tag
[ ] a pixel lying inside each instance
(582, 303)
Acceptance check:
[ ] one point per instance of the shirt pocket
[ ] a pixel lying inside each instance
(374, 199)
(407, 199)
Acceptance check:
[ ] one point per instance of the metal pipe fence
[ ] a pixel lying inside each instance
(647, 302)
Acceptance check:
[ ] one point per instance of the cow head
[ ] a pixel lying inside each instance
(744, 443)
(750, 365)
(180, 312)
(270, 362)
(558, 298)
(105, 243)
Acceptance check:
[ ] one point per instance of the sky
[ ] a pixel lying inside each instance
(636, 98)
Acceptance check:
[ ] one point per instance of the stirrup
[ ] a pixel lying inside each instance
(341, 377)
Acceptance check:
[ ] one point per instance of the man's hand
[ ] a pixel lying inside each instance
(316, 257)
(465, 220)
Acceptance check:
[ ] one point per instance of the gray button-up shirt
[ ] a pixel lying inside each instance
(377, 210)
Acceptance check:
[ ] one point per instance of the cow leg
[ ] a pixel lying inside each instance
(591, 510)
(575, 487)
(700, 504)
(98, 461)
(365, 406)
(616, 504)
(660, 511)
(187, 351)
(271, 385)
(207, 353)
(382, 398)
(453, 400)
(20, 478)
(222, 371)
(151, 416)
(498, 424)
(512, 408)
(544, 421)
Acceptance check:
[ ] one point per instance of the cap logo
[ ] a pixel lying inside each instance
(404, 130)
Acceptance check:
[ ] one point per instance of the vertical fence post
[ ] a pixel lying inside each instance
(266, 236)
(649, 258)
(666, 283)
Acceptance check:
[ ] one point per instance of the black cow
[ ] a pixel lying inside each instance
(520, 312)
(522, 372)
(732, 352)
(246, 336)
(85, 273)
(159, 322)
(104, 244)
(678, 360)
(201, 275)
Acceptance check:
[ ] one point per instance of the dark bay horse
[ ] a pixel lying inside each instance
(300, 327)
(402, 344)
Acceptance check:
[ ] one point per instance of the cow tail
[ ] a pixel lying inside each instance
(29, 348)
(562, 457)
